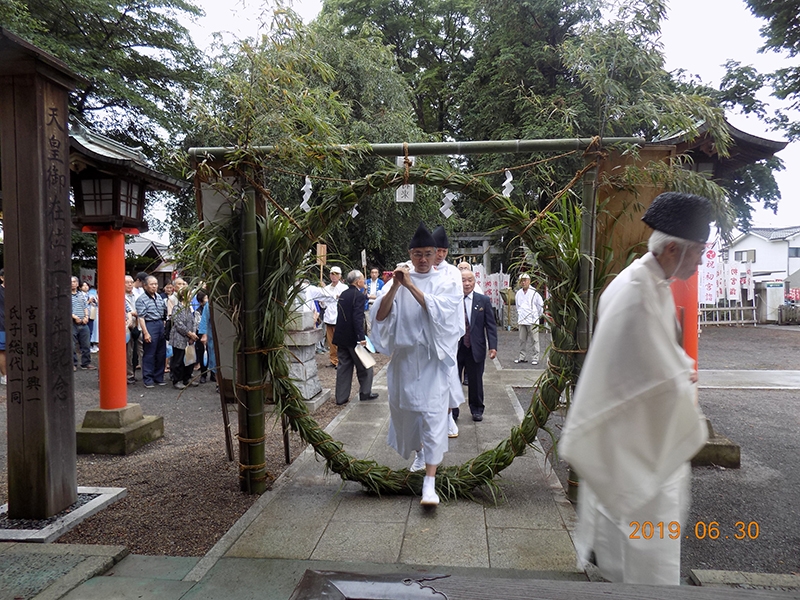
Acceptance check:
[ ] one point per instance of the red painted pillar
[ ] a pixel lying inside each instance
(685, 294)
(111, 292)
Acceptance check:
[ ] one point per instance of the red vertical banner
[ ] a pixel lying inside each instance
(685, 295)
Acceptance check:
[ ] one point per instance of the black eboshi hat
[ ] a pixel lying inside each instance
(422, 238)
(685, 216)
(440, 237)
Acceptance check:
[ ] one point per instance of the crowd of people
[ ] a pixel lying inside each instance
(167, 331)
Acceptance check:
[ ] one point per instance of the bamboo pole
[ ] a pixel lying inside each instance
(586, 284)
(252, 453)
(444, 148)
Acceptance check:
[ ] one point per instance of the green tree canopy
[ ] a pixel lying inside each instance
(140, 61)
(301, 89)
(782, 32)
(432, 41)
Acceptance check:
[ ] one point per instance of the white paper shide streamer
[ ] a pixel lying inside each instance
(306, 195)
(447, 204)
(507, 186)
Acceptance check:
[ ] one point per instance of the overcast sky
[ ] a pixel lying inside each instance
(699, 36)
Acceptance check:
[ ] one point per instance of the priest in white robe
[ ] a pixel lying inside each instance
(414, 321)
(445, 269)
(634, 423)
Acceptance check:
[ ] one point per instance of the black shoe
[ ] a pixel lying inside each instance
(520, 360)
(202, 378)
(370, 396)
(456, 412)
(342, 403)
(477, 417)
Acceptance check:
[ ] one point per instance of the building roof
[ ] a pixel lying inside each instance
(774, 234)
(90, 148)
(745, 148)
(142, 246)
(160, 253)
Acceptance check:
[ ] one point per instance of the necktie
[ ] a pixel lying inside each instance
(467, 340)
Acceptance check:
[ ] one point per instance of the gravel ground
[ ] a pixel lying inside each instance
(183, 492)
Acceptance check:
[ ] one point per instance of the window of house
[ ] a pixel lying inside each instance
(794, 252)
(746, 256)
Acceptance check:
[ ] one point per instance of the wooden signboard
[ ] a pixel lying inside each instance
(34, 140)
(322, 254)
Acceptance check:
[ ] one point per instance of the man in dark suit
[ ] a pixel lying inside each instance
(481, 329)
(348, 334)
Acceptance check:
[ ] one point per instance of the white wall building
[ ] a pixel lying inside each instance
(773, 252)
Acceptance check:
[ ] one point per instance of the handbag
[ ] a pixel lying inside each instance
(364, 356)
(190, 355)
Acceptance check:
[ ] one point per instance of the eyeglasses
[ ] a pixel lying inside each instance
(420, 254)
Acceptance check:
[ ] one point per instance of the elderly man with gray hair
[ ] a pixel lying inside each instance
(634, 423)
(529, 310)
(152, 311)
(348, 334)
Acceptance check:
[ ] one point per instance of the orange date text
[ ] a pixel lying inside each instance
(702, 530)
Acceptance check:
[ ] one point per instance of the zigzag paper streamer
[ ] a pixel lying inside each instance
(507, 187)
(306, 195)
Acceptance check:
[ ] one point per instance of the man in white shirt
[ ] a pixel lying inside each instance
(329, 300)
(529, 311)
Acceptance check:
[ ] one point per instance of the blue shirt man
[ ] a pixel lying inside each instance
(152, 311)
(80, 328)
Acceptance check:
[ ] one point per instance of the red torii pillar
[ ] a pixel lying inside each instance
(685, 294)
(110, 286)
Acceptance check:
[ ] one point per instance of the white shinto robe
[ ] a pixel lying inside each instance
(456, 390)
(632, 428)
(422, 343)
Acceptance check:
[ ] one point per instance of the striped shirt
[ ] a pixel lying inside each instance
(151, 309)
(79, 307)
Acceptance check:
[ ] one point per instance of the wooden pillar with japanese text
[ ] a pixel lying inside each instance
(34, 146)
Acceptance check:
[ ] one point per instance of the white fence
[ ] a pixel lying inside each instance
(727, 315)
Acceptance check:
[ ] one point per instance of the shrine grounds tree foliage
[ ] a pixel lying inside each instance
(139, 60)
(782, 32)
(432, 41)
(298, 89)
(398, 70)
(552, 68)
